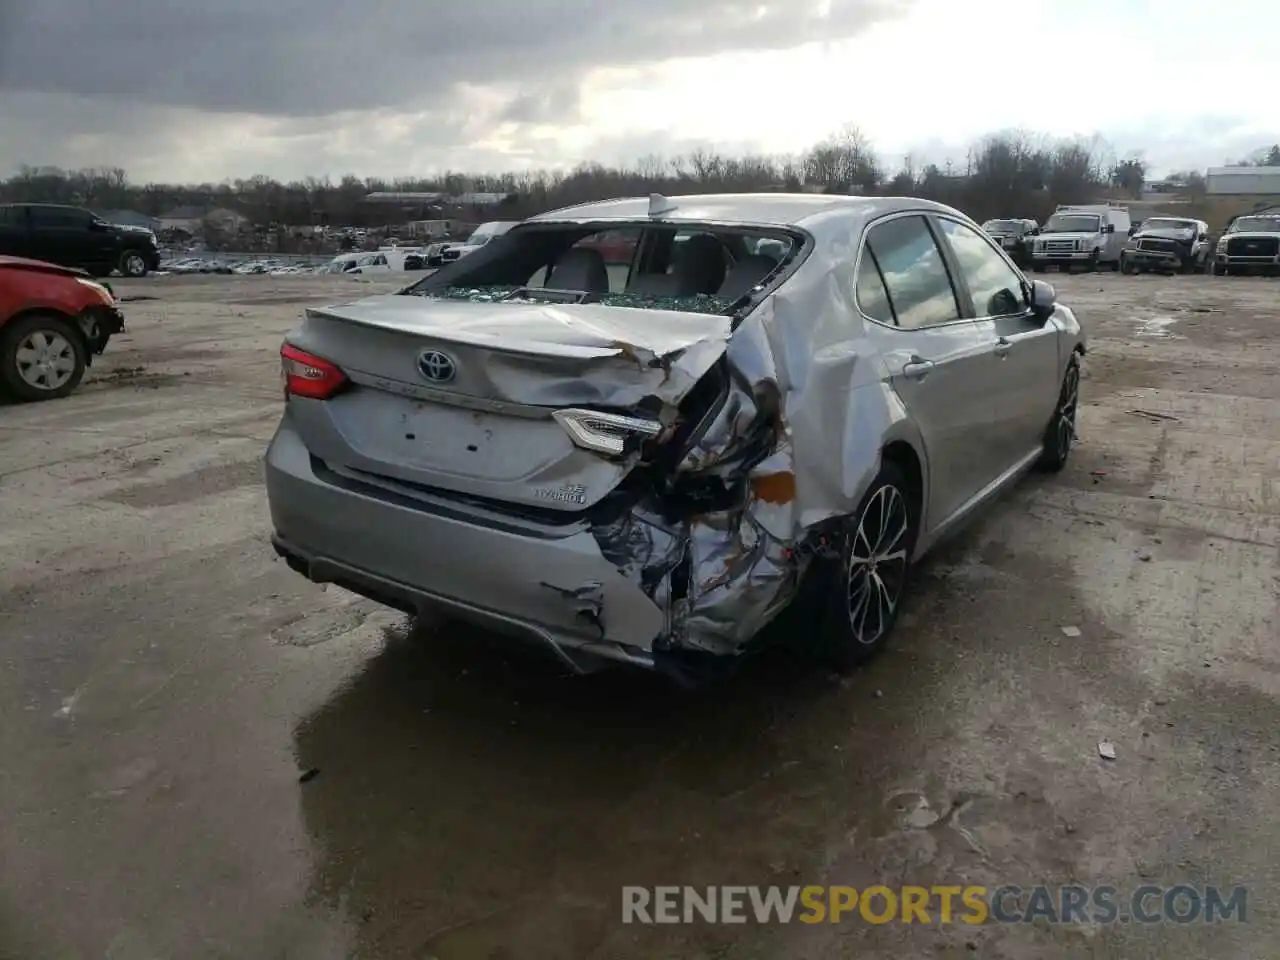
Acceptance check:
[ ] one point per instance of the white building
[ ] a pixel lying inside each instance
(1243, 181)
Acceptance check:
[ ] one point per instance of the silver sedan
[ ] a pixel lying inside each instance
(762, 401)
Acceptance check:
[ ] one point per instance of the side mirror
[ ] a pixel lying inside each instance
(1042, 299)
(1132, 231)
(97, 225)
(1109, 228)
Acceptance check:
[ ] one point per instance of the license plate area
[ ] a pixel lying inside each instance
(451, 441)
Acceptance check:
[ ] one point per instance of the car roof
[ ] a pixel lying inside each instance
(766, 209)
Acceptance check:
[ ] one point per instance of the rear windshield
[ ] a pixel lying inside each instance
(691, 269)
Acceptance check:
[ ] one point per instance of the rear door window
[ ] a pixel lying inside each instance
(915, 275)
(58, 218)
(872, 297)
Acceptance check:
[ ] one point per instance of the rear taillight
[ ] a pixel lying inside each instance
(306, 375)
(607, 433)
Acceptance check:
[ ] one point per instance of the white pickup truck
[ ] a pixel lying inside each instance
(1251, 244)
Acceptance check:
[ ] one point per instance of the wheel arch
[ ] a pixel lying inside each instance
(43, 310)
(69, 319)
(903, 455)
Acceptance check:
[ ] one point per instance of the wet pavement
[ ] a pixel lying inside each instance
(205, 756)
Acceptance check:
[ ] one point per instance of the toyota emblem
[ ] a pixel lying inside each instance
(436, 366)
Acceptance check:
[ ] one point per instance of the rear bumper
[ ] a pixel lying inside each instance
(550, 585)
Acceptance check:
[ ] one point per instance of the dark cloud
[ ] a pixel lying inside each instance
(554, 104)
(157, 143)
(315, 57)
(181, 89)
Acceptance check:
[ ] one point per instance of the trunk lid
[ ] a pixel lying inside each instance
(458, 396)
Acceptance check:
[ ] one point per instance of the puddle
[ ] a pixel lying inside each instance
(1158, 328)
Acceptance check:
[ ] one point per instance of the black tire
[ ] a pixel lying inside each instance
(132, 264)
(57, 342)
(1037, 267)
(1061, 431)
(867, 586)
(1126, 265)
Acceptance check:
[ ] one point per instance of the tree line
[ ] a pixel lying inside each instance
(1002, 175)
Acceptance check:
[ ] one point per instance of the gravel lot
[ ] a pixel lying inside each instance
(165, 685)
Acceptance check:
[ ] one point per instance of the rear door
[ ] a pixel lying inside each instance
(1025, 376)
(14, 239)
(62, 235)
(940, 362)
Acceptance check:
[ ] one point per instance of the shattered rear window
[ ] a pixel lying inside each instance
(701, 303)
(687, 268)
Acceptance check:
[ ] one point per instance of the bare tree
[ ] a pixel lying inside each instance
(1009, 174)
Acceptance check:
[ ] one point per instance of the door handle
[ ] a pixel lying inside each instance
(1003, 347)
(917, 368)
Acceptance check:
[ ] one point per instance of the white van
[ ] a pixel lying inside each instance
(1089, 235)
(386, 260)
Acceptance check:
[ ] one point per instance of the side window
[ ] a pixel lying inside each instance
(57, 218)
(995, 286)
(915, 276)
(872, 297)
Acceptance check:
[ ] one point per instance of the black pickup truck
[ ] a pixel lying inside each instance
(75, 237)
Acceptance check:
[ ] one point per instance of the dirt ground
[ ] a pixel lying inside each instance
(206, 756)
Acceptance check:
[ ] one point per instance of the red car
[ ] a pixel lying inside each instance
(616, 246)
(53, 321)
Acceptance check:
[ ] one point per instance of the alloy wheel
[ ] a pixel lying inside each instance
(46, 359)
(1065, 419)
(878, 564)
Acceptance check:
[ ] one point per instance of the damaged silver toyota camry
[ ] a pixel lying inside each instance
(637, 430)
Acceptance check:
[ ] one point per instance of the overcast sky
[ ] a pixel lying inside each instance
(186, 91)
